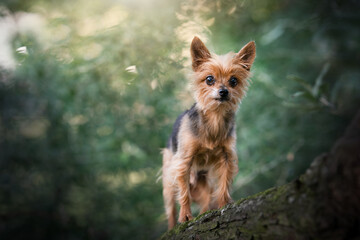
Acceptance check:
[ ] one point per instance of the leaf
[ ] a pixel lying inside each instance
(319, 79)
(310, 97)
(305, 85)
(298, 94)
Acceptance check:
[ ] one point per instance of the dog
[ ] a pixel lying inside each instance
(200, 159)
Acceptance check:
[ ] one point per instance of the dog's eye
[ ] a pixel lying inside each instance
(233, 81)
(210, 80)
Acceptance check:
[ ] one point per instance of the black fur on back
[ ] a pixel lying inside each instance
(194, 118)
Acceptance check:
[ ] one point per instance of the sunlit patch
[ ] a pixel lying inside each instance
(131, 179)
(143, 109)
(60, 32)
(22, 50)
(77, 120)
(91, 25)
(7, 31)
(131, 149)
(186, 31)
(131, 69)
(136, 177)
(196, 25)
(104, 131)
(117, 85)
(64, 56)
(91, 51)
(273, 34)
(153, 84)
(31, 23)
(114, 16)
(34, 128)
(87, 27)
(232, 10)
(20, 23)
(112, 180)
(290, 156)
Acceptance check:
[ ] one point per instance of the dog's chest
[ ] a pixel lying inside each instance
(215, 131)
(206, 157)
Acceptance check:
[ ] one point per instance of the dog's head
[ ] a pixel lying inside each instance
(220, 81)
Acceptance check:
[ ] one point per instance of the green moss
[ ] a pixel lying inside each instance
(204, 214)
(176, 230)
(269, 202)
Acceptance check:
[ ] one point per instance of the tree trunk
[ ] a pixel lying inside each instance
(324, 203)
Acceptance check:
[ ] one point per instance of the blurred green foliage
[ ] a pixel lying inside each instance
(92, 99)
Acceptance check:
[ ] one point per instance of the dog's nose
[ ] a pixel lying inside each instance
(223, 92)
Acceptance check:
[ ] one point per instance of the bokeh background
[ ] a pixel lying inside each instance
(89, 91)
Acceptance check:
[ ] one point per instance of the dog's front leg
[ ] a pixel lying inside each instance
(225, 169)
(183, 182)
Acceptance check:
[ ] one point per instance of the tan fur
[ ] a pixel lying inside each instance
(202, 168)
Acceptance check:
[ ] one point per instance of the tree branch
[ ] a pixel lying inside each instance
(324, 203)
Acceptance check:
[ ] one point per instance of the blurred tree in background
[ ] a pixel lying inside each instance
(89, 92)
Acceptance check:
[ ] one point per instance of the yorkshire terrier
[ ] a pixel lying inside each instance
(200, 159)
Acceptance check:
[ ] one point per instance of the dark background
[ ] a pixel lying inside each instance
(86, 108)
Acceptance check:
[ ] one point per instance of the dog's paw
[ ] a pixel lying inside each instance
(185, 217)
(224, 202)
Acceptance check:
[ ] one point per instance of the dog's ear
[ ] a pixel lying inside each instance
(199, 53)
(245, 57)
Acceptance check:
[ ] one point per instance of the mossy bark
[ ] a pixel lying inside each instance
(324, 203)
